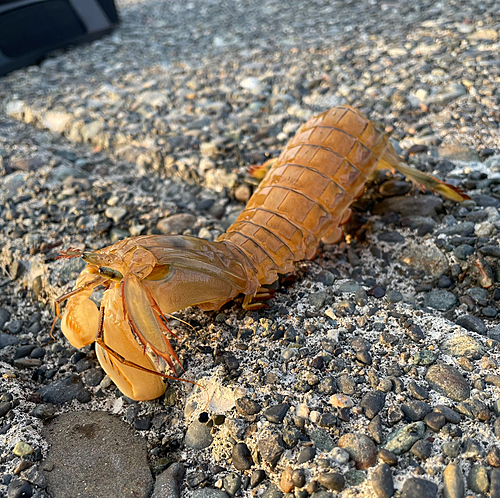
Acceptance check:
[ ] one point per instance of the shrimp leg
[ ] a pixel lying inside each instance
(390, 160)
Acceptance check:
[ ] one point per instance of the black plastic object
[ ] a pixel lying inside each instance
(31, 28)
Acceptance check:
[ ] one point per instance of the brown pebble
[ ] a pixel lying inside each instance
(466, 364)
(298, 478)
(334, 481)
(360, 448)
(453, 481)
(494, 456)
(286, 483)
(312, 487)
(242, 193)
(22, 465)
(388, 457)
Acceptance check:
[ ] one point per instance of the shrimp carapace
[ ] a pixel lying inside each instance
(303, 199)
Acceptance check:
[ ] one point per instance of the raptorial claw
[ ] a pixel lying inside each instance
(145, 322)
(134, 373)
(80, 319)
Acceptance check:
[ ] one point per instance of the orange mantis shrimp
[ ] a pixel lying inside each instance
(303, 199)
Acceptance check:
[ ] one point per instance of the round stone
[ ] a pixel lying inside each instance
(360, 448)
(402, 439)
(462, 251)
(382, 481)
(232, 483)
(435, 421)
(334, 481)
(415, 487)
(453, 481)
(247, 406)
(448, 381)
(463, 345)
(286, 483)
(478, 480)
(388, 457)
(22, 449)
(19, 489)
(176, 224)
(440, 300)
(306, 455)
(472, 323)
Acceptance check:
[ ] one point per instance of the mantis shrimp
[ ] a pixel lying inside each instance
(303, 199)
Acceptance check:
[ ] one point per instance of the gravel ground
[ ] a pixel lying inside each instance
(375, 369)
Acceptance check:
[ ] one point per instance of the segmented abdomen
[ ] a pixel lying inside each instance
(305, 196)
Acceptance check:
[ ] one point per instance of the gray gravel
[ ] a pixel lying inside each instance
(386, 344)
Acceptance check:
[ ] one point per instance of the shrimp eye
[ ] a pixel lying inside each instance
(110, 273)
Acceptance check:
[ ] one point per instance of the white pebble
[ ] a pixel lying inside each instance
(314, 416)
(339, 455)
(484, 229)
(303, 411)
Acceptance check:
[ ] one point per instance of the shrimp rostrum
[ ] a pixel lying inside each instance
(303, 199)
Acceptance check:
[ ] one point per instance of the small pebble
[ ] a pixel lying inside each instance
(472, 449)
(415, 487)
(448, 381)
(472, 323)
(463, 251)
(334, 481)
(198, 436)
(306, 455)
(257, 477)
(326, 277)
(19, 489)
(382, 481)
(44, 411)
(453, 481)
(232, 483)
(22, 449)
(440, 300)
(415, 410)
(360, 448)
(276, 413)
(272, 492)
(169, 482)
(372, 403)
(495, 483)
(388, 457)
(435, 421)
(452, 448)
(339, 456)
(417, 391)
(493, 456)
(270, 449)
(402, 439)
(422, 449)
(64, 390)
(242, 457)
(478, 479)
(450, 414)
(5, 407)
(298, 478)
(463, 345)
(247, 406)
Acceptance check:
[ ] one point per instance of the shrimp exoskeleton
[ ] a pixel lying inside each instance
(303, 199)
(146, 278)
